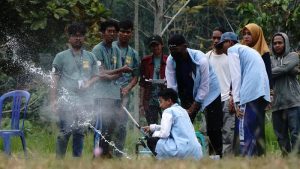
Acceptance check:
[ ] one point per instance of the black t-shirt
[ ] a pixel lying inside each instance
(185, 82)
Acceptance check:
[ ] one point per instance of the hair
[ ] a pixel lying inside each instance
(110, 23)
(221, 29)
(127, 24)
(176, 39)
(76, 27)
(169, 94)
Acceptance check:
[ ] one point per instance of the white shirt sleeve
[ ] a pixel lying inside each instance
(163, 131)
(170, 73)
(204, 83)
(235, 73)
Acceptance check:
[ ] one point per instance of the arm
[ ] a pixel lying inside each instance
(170, 74)
(235, 73)
(204, 83)
(128, 88)
(267, 60)
(135, 74)
(53, 92)
(286, 67)
(163, 130)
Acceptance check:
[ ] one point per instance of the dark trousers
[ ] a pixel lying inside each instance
(107, 117)
(254, 128)
(151, 143)
(214, 121)
(286, 124)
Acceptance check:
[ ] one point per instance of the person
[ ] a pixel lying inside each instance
(175, 137)
(74, 71)
(253, 37)
(286, 99)
(127, 81)
(108, 91)
(190, 74)
(152, 67)
(219, 62)
(251, 92)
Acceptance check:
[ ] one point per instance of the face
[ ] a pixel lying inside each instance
(125, 35)
(109, 34)
(278, 45)
(164, 104)
(227, 44)
(156, 49)
(247, 37)
(76, 40)
(178, 51)
(216, 36)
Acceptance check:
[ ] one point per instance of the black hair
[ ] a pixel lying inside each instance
(221, 29)
(127, 24)
(110, 23)
(76, 27)
(176, 39)
(169, 94)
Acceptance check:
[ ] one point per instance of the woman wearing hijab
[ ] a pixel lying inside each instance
(253, 37)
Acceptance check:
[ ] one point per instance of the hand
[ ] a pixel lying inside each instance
(126, 69)
(146, 129)
(194, 108)
(239, 114)
(86, 84)
(125, 90)
(231, 105)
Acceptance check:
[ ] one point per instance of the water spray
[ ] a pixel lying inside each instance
(105, 140)
(146, 136)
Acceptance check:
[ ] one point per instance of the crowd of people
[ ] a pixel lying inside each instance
(233, 84)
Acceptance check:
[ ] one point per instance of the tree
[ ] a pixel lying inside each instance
(273, 16)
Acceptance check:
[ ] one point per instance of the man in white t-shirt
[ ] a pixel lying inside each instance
(219, 62)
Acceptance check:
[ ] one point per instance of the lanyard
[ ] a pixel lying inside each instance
(123, 57)
(110, 59)
(78, 64)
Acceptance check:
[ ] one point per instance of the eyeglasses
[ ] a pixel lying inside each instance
(76, 36)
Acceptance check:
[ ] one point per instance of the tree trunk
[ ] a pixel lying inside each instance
(136, 25)
(158, 16)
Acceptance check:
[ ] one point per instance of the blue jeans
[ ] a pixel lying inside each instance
(286, 124)
(67, 128)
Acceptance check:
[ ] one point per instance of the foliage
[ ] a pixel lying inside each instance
(6, 82)
(53, 15)
(273, 16)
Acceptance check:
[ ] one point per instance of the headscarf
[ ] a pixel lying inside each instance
(258, 39)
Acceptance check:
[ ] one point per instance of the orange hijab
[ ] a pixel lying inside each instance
(258, 39)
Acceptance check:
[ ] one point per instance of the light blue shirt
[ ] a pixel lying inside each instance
(248, 74)
(177, 135)
(206, 86)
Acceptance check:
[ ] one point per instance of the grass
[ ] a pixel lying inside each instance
(272, 162)
(41, 149)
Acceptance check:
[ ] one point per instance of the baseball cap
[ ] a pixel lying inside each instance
(155, 39)
(176, 40)
(227, 36)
